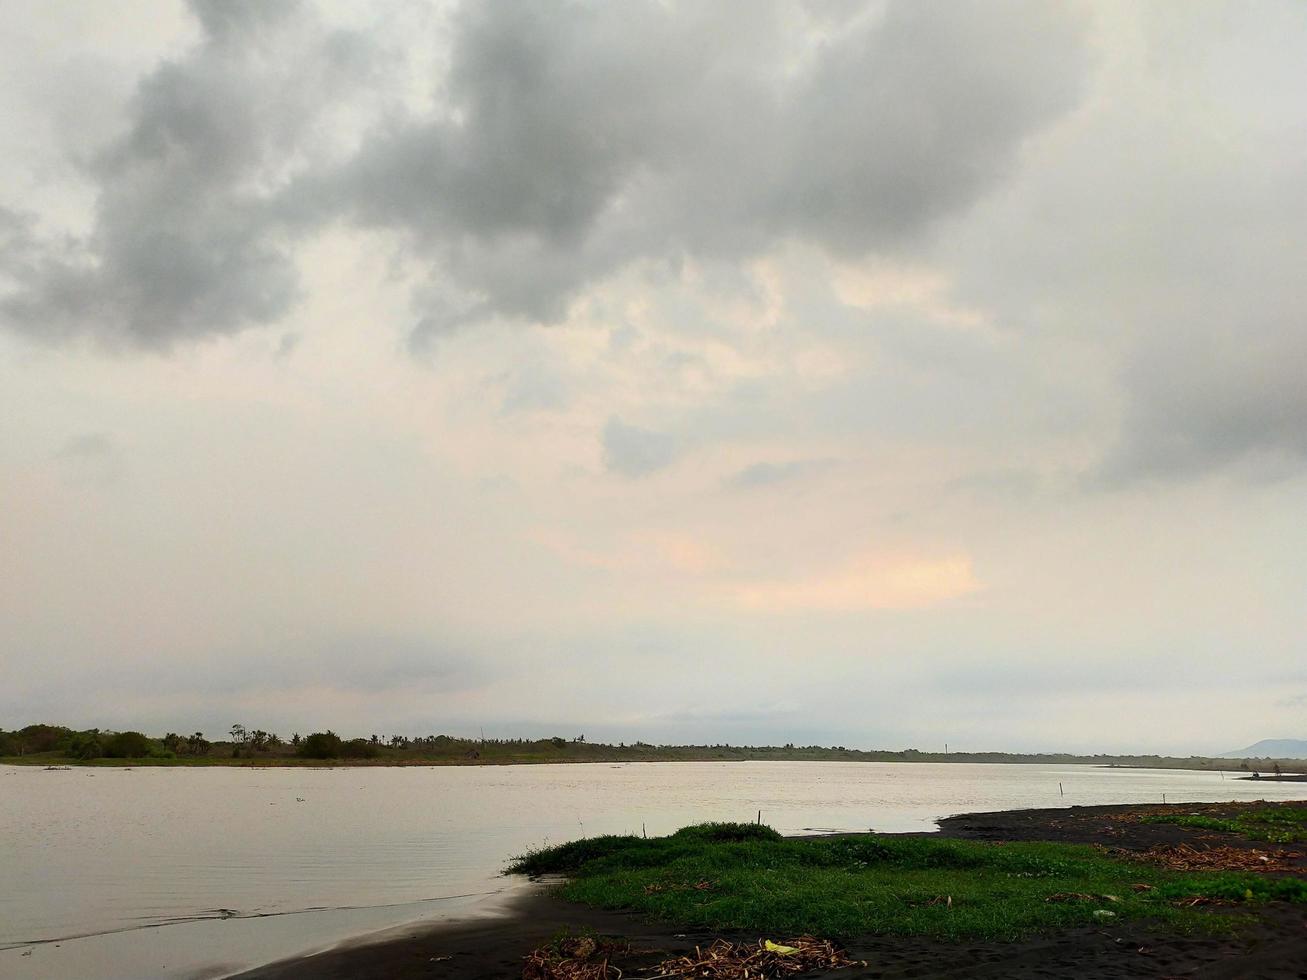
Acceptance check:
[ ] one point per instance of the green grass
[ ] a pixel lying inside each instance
(1280, 825)
(733, 876)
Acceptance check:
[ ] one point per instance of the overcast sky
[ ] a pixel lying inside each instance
(877, 374)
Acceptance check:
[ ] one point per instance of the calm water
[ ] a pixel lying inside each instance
(239, 867)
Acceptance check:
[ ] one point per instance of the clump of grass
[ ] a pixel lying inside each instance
(715, 878)
(1278, 825)
(570, 857)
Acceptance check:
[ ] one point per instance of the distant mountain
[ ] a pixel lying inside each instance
(1271, 748)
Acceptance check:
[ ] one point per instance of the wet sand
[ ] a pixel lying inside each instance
(1272, 945)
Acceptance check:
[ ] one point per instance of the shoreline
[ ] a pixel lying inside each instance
(61, 764)
(1273, 946)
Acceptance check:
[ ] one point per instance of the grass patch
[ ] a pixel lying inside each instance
(741, 876)
(1278, 825)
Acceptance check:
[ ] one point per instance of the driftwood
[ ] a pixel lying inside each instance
(584, 959)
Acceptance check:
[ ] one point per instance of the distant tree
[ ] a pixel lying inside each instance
(197, 744)
(127, 745)
(239, 734)
(559, 742)
(359, 748)
(174, 742)
(321, 745)
(375, 738)
(41, 738)
(295, 739)
(86, 745)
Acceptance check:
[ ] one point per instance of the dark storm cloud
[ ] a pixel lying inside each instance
(571, 139)
(581, 137)
(182, 243)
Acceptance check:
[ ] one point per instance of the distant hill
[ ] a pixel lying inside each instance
(1272, 748)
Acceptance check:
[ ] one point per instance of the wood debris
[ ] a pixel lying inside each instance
(575, 958)
(585, 958)
(725, 960)
(1182, 857)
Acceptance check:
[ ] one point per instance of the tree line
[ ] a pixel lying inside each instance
(53, 742)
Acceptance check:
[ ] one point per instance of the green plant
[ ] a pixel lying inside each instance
(358, 748)
(1278, 824)
(127, 745)
(321, 745)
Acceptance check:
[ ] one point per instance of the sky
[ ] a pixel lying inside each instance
(879, 374)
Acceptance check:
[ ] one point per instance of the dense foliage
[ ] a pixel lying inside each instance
(321, 745)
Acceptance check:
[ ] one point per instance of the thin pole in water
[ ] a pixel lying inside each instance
(1059, 790)
(1163, 797)
(643, 831)
(760, 817)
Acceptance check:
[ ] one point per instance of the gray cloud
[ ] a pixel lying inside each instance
(584, 136)
(632, 451)
(84, 445)
(765, 474)
(183, 242)
(367, 663)
(89, 459)
(1158, 238)
(569, 140)
(1204, 407)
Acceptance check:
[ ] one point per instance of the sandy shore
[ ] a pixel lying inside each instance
(1274, 946)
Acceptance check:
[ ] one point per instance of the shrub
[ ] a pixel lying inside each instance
(569, 857)
(127, 745)
(40, 738)
(321, 745)
(728, 832)
(357, 748)
(86, 745)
